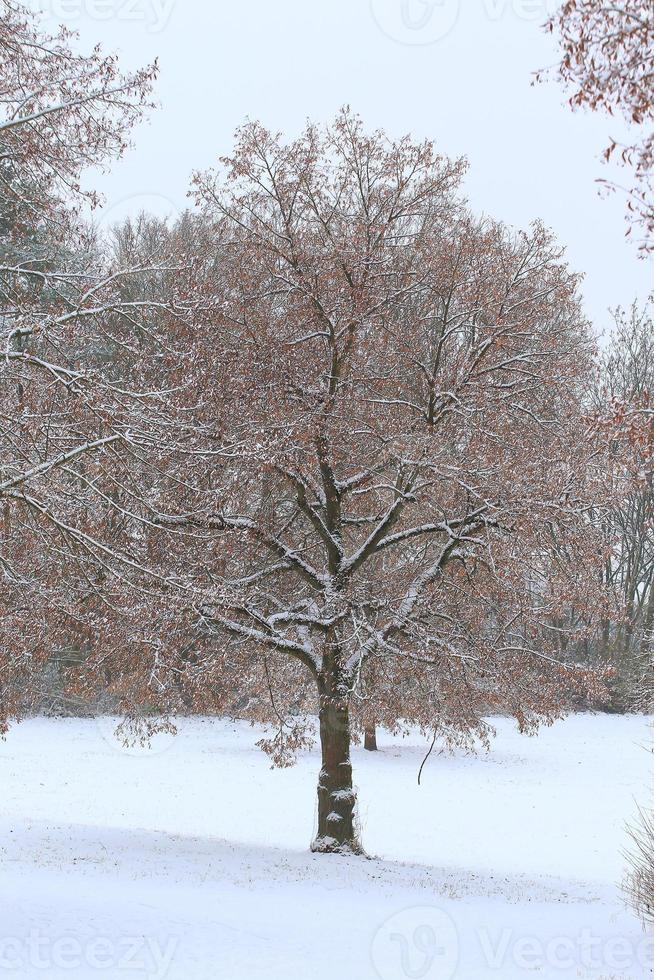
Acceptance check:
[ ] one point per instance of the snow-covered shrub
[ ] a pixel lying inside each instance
(639, 884)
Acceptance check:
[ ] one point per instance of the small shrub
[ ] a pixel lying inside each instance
(639, 884)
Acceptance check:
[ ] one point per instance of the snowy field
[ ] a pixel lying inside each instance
(189, 861)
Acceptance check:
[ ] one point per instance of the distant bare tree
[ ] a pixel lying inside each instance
(626, 384)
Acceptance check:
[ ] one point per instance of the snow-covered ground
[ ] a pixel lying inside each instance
(189, 860)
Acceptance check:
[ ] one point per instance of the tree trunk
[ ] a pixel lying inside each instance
(336, 796)
(370, 739)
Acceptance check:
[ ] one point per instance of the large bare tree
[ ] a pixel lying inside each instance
(377, 495)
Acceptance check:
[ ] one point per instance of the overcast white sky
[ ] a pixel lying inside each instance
(456, 71)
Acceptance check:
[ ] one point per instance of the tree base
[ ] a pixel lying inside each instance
(329, 845)
(370, 741)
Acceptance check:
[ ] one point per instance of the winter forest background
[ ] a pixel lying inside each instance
(329, 452)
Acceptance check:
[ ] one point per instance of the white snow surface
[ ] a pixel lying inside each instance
(189, 860)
